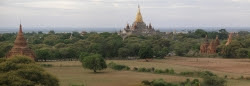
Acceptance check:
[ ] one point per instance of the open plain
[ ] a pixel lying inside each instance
(71, 72)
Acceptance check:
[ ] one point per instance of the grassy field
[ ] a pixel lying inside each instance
(71, 72)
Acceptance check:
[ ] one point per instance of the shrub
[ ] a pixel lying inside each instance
(166, 70)
(214, 81)
(146, 82)
(22, 71)
(135, 69)
(187, 73)
(118, 66)
(247, 78)
(208, 73)
(148, 70)
(127, 68)
(161, 82)
(142, 69)
(77, 85)
(225, 76)
(241, 77)
(158, 82)
(171, 71)
(152, 69)
(195, 82)
(158, 71)
(46, 65)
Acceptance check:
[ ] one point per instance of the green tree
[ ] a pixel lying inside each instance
(230, 50)
(201, 33)
(146, 52)
(43, 54)
(51, 32)
(242, 52)
(68, 53)
(51, 40)
(22, 71)
(123, 52)
(5, 47)
(223, 34)
(94, 62)
(180, 48)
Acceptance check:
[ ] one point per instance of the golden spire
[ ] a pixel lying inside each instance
(138, 15)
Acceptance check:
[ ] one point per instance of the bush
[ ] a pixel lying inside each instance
(135, 69)
(146, 82)
(214, 81)
(152, 69)
(161, 82)
(158, 82)
(118, 66)
(158, 71)
(171, 71)
(23, 71)
(195, 82)
(46, 65)
(142, 69)
(77, 85)
(166, 70)
(148, 70)
(242, 52)
(187, 73)
(207, 73)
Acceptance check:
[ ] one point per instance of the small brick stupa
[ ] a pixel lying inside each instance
(20, 46)
(229, 40)
(209, 48)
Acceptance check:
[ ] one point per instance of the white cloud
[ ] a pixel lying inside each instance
(115, 5)
(118, 12)
(241, 0)
(50, 4)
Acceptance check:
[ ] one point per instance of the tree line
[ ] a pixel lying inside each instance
(70, 46)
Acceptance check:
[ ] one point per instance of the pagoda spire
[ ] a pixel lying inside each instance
(20, 46)
(20, 29)
(138, 15)
(20, 40)
(229, 40)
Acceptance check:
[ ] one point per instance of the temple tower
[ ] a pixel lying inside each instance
(204, 46)
(138, 27)
(229, 40)
(20, 46)
(209, 48)
(217, 41)
(138, 17)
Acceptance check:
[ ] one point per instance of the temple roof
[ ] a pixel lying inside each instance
(138, 15)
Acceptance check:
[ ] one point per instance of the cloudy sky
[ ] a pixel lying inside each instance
(116, 13)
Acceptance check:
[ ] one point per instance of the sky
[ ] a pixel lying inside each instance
(117, 13)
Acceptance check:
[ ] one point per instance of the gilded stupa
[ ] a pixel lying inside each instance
(138, 27)
(20, 46)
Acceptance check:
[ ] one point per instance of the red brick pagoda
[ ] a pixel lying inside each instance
(20, 46)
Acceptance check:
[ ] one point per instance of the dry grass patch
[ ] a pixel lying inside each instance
(71, 72)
